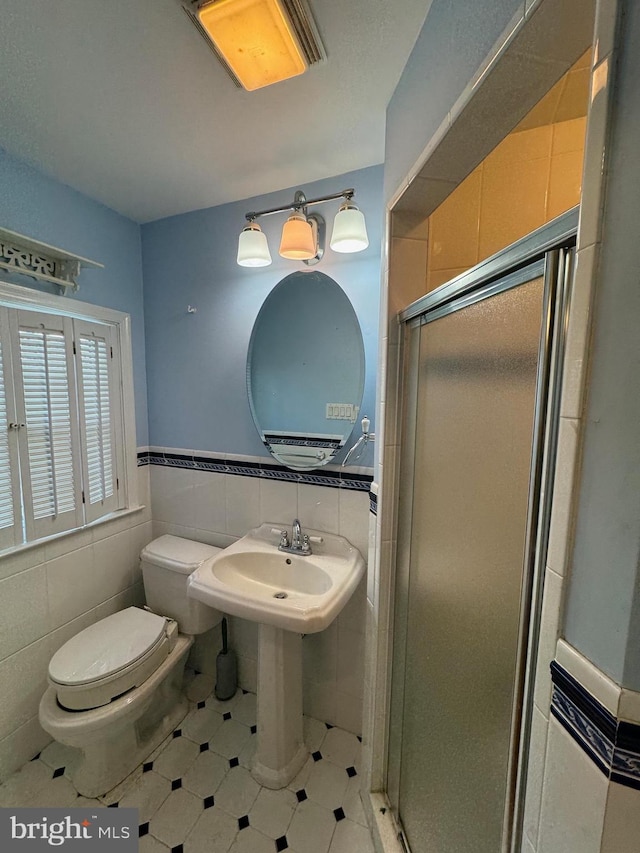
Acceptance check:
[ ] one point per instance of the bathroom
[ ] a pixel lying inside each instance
(189, 376)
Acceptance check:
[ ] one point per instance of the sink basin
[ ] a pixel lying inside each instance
(254, 580)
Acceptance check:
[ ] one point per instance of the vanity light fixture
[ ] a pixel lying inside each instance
(298, 242)
(259, 42)
(253, 249)
(303, 234)
(349, 229)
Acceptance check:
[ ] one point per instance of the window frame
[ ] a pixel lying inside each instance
(19, 298)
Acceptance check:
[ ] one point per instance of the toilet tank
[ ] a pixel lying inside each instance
(167, 563)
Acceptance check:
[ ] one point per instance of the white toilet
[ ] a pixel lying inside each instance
(116, 688)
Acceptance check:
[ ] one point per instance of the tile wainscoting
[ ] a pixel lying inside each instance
(53, 590)
(612, 744)
(217, 498)
(49, 592)
(591, 786)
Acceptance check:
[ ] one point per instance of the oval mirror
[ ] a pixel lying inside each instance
(305, 370)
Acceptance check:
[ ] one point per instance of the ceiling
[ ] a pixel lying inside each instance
(124, 101)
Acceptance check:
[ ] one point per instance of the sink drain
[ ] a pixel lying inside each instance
(280, 595)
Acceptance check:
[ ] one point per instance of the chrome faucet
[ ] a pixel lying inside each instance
(296, 534)
(299, 543)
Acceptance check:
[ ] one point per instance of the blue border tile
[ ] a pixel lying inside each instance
(267, 469)
(613, 745)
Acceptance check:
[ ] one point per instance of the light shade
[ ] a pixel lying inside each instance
(256, 39)
(298, 241)
(253, 249)
(349, 230)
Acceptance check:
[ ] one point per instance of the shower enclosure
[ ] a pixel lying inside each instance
(482, 360)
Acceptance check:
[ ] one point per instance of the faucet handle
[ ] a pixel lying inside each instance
(284, 536)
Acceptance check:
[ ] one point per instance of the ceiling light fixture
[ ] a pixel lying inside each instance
(259, 42)
(303, 234)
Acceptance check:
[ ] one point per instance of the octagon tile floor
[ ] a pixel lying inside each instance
(195, 793)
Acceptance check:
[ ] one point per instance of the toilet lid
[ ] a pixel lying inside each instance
(107, 647)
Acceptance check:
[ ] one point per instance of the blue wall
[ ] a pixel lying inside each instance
(197, 362)
(39, 207)
(603, 604)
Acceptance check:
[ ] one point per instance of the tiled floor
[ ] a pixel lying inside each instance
(195, 793)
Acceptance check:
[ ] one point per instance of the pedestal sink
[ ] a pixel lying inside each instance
(288, 595)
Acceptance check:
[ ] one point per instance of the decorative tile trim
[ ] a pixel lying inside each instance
(296, 441)
(373, 502)
(266, 469)
(613, 745)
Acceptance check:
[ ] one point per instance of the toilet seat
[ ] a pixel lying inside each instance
(109, 658)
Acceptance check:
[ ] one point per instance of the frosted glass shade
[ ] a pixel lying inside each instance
(253, 249)
(297, 243)
(349, 230)
(256, 39)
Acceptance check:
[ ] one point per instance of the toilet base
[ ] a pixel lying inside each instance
(113, 740)
(104, 765)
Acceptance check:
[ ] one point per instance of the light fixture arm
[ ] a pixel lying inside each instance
(300, 202)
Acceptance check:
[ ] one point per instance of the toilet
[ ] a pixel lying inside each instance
(115, 689)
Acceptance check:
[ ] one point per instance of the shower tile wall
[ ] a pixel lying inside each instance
(533, 176)
(47, 594)
(219, 508)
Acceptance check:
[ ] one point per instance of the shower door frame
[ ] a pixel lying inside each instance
(548, 251)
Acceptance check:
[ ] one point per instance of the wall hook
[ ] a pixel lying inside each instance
(191, 309)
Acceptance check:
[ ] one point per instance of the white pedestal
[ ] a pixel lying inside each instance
(281, 752)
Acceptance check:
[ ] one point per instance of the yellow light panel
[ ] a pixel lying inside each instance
(255, 38)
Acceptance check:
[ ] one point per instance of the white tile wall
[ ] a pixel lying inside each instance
(549, 630)
(219, 508)
(47, 594)
(599, 685)
(574, 797)
(621, 833)
(538, 748)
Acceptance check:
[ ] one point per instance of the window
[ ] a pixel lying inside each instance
(64, 431)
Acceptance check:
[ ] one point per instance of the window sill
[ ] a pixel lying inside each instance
(93, 526)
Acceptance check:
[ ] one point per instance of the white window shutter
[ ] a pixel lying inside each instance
(10, 503)
(46, 403)
(97, 397)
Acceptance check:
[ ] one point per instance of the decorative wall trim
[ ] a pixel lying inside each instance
(373, 502)
(613, 745)
(267, 469)
(297, 441)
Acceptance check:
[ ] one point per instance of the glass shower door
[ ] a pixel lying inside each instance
(475, 376)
